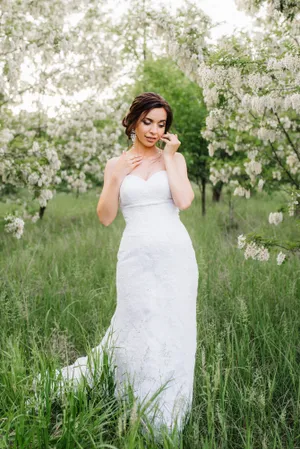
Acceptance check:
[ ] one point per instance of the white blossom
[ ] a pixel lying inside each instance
(266, 134)
(15, 226)
(293, 162)
(6, 135)
(236, 170)
(45, 196)
(275, 218)
(280, 258)
(241, 241)
(35, 217)
(33, 178)
(241, 191)
(256, 252)
(260, 185)
(211, 149)
(292, 203)
(276, 175)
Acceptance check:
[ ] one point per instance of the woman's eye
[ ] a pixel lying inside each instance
(161, 126)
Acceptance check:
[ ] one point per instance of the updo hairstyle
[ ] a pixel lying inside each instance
(140, 107)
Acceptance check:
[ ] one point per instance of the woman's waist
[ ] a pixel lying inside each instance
(164, 213)
(152, 223)
(155, 233)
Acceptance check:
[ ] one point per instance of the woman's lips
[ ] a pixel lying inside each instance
(151, 139)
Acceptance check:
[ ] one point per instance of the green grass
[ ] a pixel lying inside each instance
(57, 297)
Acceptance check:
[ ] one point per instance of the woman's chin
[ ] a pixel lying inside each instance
(150, 144)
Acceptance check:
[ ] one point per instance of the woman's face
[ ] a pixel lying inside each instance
(151, 126)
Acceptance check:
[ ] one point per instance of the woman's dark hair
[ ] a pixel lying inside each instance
(140, 107)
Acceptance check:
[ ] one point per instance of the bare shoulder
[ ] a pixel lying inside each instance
(180, 161)
(109, 168)
(110, 163)
(113, 160)
(179, 157)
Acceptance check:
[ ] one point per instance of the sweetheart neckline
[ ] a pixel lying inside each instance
(146, 180)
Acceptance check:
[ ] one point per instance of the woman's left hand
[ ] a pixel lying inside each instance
(172, 144)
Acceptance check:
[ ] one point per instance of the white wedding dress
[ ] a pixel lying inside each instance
(153, 328)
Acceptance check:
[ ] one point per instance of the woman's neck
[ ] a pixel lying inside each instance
(145, 152)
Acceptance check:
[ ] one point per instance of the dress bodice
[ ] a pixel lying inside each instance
(148, 200)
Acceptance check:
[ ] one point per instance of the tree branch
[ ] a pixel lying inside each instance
(283, 167)
(287, 136)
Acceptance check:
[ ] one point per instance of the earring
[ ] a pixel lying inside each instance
(133, 136)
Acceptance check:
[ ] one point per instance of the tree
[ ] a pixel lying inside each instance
(251, 90)
(63, 59)
(288, 8)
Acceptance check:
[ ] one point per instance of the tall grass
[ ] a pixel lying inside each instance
(57, 297)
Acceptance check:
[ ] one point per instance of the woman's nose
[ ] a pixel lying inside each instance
(154, 129)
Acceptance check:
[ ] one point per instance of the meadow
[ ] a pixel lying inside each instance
(58, 294)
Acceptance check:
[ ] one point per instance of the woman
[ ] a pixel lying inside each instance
(154, 324)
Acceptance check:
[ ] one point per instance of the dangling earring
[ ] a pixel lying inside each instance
(133, 136)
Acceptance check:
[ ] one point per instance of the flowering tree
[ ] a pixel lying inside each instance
(85, 139)
(28, 160)
(289, 8)
(251, 89)
(64, 59)
(253, 85)
(67, 152)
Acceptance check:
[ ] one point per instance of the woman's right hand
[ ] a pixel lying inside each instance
(126, 163)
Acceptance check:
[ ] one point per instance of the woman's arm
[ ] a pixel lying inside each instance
(180, 186)
(108, 203)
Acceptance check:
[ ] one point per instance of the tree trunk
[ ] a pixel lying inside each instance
(42, 211)
(232, 224)
(217, 192)
(230, 212)
(203, 197)
(202, 188)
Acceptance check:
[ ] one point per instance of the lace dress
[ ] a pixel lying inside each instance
(153, 328)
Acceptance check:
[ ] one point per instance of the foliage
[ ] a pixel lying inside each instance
(251, 89)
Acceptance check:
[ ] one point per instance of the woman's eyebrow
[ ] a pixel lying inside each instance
(152, 120)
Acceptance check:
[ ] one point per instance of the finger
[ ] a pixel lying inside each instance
(135, 161)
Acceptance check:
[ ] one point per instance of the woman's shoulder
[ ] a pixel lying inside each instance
(115, 159)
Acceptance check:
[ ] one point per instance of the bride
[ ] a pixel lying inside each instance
(154, 323)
